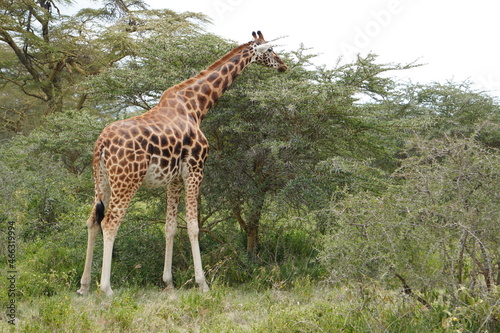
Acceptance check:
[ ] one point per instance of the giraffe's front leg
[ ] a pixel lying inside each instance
(174, 191)
(192, 184)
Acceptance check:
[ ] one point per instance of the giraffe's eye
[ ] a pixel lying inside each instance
(270, 49)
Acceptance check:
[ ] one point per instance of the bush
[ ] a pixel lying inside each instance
(436, 224)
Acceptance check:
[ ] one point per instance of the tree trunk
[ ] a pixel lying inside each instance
(252, 229)
(251, 224)
(252, 240)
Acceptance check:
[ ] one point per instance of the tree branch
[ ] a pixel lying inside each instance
(239, 218)
(22, 88)
(408, 291)
(7, 38)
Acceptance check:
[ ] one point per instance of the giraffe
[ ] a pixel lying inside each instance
(163, 147)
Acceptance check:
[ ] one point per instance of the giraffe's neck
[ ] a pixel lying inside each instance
(199, 93)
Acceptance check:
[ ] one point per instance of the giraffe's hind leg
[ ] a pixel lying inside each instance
(102, 195)
(93, 230)
(109, 225)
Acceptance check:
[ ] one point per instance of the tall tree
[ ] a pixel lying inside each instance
(48, 54)
(27, 28)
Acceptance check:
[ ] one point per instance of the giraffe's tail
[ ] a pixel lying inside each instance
(99, 212)
(101, 184)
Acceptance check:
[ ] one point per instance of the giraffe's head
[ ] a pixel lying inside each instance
(265, 55)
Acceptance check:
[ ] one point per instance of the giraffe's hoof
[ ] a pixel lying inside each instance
(169, 288)
(82, 291)
(107, 291)
(204, 287)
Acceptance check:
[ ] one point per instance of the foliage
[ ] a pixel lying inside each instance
(449, 109)
(436, 225)
(47, 173)
(158, 63)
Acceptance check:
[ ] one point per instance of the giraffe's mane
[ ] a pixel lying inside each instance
(211, 68)
(227, 56)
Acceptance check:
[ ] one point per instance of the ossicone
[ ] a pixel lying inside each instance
(259, 37)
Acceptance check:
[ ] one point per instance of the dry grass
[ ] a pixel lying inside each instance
(303, 308)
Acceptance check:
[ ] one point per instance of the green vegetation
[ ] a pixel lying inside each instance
(303, 308)
(334, 199)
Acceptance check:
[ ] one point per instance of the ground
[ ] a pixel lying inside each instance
(302, 308)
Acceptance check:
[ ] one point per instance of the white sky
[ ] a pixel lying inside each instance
(457, 40)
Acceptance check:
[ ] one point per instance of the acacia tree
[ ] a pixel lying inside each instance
(46, 54)
(293, 137)
(451, 109)
(435, 223)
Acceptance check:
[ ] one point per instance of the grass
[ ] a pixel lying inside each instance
(303, 308)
